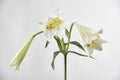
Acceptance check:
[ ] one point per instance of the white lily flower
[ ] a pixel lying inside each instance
(54, 26)
(95, 44)
(91, 38)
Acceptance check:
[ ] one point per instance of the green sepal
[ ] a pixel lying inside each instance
(77, 44)
(81, 54)
(54, 56)
(47, 43)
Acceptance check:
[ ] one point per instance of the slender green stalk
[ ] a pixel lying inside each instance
(65, 67)
(65, 55)
(70, 35)
(37, 33)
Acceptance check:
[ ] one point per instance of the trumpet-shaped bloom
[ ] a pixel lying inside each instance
(91, 38)
(54, 26)
(95, 44)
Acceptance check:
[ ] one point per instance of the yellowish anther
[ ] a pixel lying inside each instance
(54, 23)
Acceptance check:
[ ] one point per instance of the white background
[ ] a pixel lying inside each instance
(19, 19)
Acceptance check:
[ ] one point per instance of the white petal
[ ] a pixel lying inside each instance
(49, 19)
(84, 28)
(58, 13)
(100, 31)
(97, 43)
(98, 47)
(103, 41)
(89, 50)
(84, 37)
(61, 32)
(48, 35)
(87, 34)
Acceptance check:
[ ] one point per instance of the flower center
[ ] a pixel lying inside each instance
(54, 23)
(95, 42)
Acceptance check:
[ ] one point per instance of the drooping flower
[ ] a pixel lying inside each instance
(91, 38)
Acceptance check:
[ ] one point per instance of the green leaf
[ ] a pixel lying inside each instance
(81, 54)
(58, 42)
(92, 57)
(63, 44)
(78, 53)
(77, 44)
(46, 44)
(54, 56)
(67, 33)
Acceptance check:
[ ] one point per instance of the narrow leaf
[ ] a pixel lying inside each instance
(92, 57)
(81, 54)
(77, 44)
(54, 56)
(46, 44)
(67, 33)
(63, 44)
(58, 42)
(78, 53)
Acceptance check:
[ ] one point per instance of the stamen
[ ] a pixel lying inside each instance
(54, 23)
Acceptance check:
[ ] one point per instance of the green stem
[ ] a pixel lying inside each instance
(65, 55)
(37, 33)
(65, 67)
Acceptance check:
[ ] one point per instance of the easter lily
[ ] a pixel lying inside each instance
(91, 38)
(95, 44)
(53, 29)
(53, 25)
